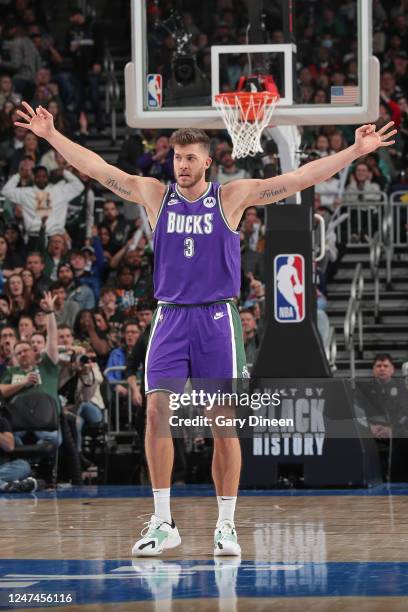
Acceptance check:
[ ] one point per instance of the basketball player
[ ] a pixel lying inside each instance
(196, 328)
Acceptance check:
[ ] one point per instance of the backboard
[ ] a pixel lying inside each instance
(184, 52)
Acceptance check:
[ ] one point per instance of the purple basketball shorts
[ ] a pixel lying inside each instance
(203, 341)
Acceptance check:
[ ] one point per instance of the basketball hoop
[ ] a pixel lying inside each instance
(246, 115)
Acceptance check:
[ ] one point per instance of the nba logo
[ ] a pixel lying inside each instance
(289, 288)
(154, 90)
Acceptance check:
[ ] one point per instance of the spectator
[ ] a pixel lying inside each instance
(25, 61)
(385, 402)
(55, 255)
(15, 474)
(126, 293)
(119, 356)
(44, 43)
(10, 143)
(6, 120)
(378, 171)
(322, 145)
(65, 310)
(86, 330)
(20, 299)
(251, 341)
(78, 261)
(4, 310)
(329, 193)
(8, 339)
(145, 312)
(26, 377)
(35, 263)
(360, 181)
(60, 122)
(28, 280)
(115, 318)
(44, 202)
(116, 223)
(25, 328)
(159, 163)
(337, 143)
(29, 150)
(229, 170)
(6, 259)
(38, 344)
(7, 92)
(252, 242)
(25, 170)
(16, 247)
(85, 46)
(132, 149)
(81, 294)
(89, 405)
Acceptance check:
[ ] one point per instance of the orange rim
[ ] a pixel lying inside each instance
(245, 98)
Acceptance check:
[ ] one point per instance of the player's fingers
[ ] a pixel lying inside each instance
(28, 108)
(45, 112)
(24, 125)
(362, 129)
(385, 128)
(385, 136)
(24, 115)
(387, 143)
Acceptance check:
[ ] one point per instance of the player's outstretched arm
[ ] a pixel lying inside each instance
(146, 191)
(241, 194)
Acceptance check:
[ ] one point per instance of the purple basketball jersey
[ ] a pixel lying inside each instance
(196, 255)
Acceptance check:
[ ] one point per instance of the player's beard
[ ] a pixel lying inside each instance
(192, 180)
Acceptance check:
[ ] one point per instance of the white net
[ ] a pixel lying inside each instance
(246, 116)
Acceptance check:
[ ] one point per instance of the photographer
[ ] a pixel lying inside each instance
(80, 385)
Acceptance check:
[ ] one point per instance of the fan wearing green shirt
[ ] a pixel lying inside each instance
(30, 376)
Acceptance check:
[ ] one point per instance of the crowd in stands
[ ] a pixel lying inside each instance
(94, 263)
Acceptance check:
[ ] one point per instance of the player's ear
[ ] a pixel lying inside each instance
(208, 162)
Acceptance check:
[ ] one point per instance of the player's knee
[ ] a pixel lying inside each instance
(225, 443)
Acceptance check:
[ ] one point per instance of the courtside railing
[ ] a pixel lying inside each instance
(120, 421)
(112, 92)
(366, 212)
(399, 208)
(375, 260)
(353, 321)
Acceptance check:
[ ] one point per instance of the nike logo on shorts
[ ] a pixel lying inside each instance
(219, 315)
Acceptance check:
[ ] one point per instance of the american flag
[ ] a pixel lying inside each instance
(348, 94)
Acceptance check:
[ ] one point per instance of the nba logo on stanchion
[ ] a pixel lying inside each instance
(289, 288)
(154, 90)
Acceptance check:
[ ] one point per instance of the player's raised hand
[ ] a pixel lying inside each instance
(40, 121)
(368, 139)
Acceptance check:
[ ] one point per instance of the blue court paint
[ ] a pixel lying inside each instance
(121, 491)
(95, 582)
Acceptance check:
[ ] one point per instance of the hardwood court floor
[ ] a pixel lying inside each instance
(300, 552)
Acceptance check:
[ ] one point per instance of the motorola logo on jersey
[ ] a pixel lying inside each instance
(209, 202)
(289, 289)
(189, 224)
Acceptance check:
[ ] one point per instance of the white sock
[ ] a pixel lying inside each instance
(162, 504)
(226, 508)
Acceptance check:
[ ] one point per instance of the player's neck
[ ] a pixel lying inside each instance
(194, 192)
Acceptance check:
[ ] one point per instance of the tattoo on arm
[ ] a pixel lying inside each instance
(271, 193)
(111, 183)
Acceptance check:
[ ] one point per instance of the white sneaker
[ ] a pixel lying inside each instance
(159, 536)
(226, 540)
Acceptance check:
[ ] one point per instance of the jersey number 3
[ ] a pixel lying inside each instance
(188, 247)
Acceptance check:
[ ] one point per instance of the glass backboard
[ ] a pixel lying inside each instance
(184, 52)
